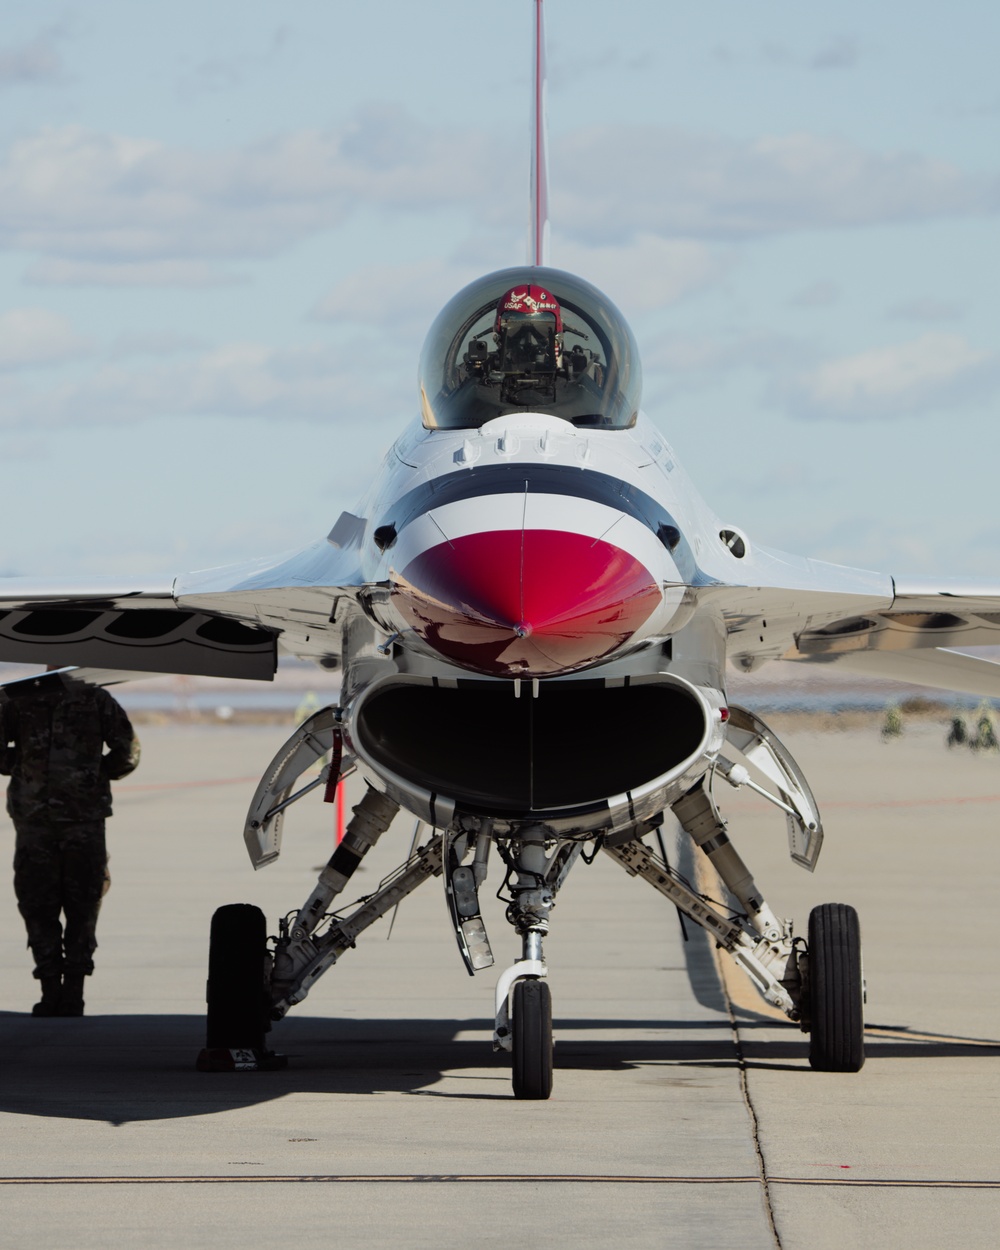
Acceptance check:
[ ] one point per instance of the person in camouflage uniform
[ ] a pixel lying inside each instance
(53, 732)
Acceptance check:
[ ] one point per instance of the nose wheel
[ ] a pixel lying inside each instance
(531, 1028)
(836, 989)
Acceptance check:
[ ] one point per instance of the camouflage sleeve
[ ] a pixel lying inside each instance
(123, 745)
(6, 738)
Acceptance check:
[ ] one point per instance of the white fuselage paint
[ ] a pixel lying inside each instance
(637, 458)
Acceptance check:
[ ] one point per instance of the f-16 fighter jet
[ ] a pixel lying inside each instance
(531, 612)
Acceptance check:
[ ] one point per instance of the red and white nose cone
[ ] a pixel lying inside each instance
(525, 602)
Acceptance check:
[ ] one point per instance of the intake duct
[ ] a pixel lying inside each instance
(571, 748)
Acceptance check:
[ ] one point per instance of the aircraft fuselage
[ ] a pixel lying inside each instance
(530, 548)
(536, 577)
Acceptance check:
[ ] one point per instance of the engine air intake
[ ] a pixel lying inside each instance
(574, 746)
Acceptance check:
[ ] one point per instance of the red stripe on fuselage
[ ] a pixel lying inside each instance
(525, 603)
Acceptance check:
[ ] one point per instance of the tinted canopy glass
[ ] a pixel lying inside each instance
(530, 340)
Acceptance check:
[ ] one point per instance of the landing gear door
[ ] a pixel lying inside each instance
(747, 735)
(462, 894)
(308, 746)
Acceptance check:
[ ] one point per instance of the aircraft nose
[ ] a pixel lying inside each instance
(525, 602)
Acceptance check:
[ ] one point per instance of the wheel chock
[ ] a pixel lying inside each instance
(237, 1059)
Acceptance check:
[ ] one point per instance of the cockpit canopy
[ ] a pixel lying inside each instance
(530, 340)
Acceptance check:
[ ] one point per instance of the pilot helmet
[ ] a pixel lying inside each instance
(528, 329)
(527, 302)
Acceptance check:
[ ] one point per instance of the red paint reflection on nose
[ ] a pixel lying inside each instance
(525, 603)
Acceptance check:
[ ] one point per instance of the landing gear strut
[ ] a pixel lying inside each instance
(818, 984)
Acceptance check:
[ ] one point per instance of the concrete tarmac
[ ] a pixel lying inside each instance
(684, 1113)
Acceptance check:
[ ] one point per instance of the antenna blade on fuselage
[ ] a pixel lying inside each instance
(538, 243)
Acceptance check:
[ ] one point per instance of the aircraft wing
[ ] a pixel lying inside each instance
(902, 629)
(225, 622)
(914, 640)
(934, 666)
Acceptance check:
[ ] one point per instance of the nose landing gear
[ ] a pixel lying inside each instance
(523, 998)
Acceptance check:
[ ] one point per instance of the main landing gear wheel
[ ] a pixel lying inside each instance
(532, 1038)
(836, 989)
(238, 1007)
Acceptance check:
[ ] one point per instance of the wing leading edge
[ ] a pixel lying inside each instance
(107, 625)
(226, 622)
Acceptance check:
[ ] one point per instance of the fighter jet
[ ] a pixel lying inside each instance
(531, 613)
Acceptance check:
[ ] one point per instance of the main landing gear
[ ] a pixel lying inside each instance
(835, 998)
(237, 993)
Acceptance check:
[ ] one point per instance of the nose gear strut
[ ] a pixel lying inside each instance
(523, 1000)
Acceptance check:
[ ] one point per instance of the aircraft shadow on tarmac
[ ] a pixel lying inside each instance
(119, 1069)
(881, 1042)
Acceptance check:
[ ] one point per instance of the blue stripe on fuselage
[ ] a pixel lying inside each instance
(546, 479)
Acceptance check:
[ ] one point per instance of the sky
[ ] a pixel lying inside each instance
(225, 230)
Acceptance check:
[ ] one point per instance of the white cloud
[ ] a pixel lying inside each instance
(23, 447)
(836, 52)
(821, 294)
(36, 336)
(337, 383)
(865, 536)
(163, 273)
(783, 477)
(36, 61)
(926, 309)
(840, 52)
(700, 186)
(394, 295)
(704, 358)
(71, 193)
(931, 372)
(678, 364)
(648, 272)
(164, 343)
(935, 372)
(223, 73)
(607, 61)
(87, 203)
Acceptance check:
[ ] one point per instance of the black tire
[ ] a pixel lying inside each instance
(836, 989)
(238, 1005)
(532, 1037)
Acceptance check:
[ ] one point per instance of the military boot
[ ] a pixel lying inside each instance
(71, 999)
(51, 997)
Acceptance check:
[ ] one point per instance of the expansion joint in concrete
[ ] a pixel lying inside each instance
(751, 1112)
